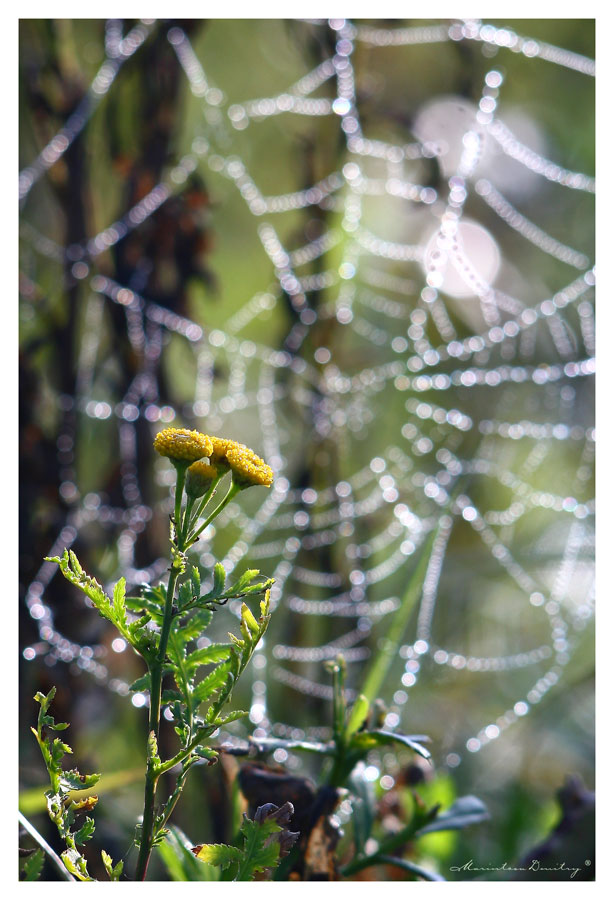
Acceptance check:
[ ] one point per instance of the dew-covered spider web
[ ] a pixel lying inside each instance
(412, 355)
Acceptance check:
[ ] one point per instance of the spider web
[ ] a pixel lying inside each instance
(417, 316)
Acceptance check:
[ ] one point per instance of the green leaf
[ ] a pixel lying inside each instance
(231, 717)
(465, 811)
(195, 579)
(192, 628)
(248, 617)
(86, 831)
(141, 684)
(243, 581)
(213, 682)
(213, 653)
(74, 781)
(366, 740)
(219, 580)
(363, 809)
(180, 862)
(33, 865)
(206, 753)
(170, 696)
(45, 699)
(114, 612)
(358, 715)
(113, 873)
(185, 594)
(257, 853)
(221, 855)
(119, 603)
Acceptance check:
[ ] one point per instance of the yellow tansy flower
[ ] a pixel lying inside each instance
(247, 468)
(218, 455)
(182, 445)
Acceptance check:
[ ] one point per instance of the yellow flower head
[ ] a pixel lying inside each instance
(247, 468)
(182, 445)
(199, 478)
(218, 454)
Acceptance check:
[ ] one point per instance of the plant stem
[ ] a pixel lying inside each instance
(157, 666)
(180, 468)
(155, 694)
(232, 491)
(207, 497)
(151, 782)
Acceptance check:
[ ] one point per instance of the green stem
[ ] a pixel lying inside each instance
(191, 518)
(185, 751)
(232, 491)
(156, 669)
(181, 470)
(157, 665)
(151, 781)
(187, 515)
(207, 497)
(179, 786)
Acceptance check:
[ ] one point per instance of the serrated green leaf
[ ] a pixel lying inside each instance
(72, 780)
(222, 855)
(213, 682)
(170, 696)
(75, 863)
(219, 580)
(59, 749)
(33, 865)
(192, 628)
(141, 684)
(213, 653)
(195, 580)
(206, 753)
(114, 873)
(119, 603)
(231, 717)
(45, 699)
(185, 595)
(69, 858)
(86, 832)
(257, 854)
(244, 580)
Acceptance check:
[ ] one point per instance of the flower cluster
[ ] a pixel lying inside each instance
(222, 455)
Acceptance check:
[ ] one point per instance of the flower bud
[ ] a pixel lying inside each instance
(199, 478)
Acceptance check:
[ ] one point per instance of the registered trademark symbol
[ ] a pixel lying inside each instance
(587, 862)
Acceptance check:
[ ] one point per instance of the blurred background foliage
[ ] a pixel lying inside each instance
(199, 255)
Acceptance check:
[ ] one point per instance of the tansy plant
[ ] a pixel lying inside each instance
(163, 626)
